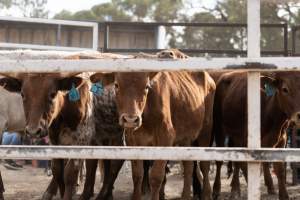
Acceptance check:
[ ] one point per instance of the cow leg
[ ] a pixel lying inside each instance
(137, 177)
(70, 178)
(110, 178)
(1, 188)
(244, 167)
(57, 167)
(268, 178)
(281, 176)
(217, 183)
(235, 183)
(146, 186)
(188, 174)
(206, 195)
(157, 174)
(197, 182)
(162, 188)
(88, 191)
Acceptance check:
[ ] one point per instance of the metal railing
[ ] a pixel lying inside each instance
(254, 154)
(106, 26)
(59, 23)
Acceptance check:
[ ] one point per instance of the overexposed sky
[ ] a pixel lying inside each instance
(55, 6)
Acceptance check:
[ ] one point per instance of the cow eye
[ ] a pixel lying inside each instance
(23, 96)
(285, 90)
(148, 87)
(116, 86)
(52, 95)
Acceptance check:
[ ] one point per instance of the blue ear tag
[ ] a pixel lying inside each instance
(97, 89)
(74, 94)
(270, 91)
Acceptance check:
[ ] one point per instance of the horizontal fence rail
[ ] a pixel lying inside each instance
(131, 65)
(108, 25)
(150, 153)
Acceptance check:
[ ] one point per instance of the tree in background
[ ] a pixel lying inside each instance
(128, 10)
(28, 8)
(32, 8)
(234, 11)
(5, 3)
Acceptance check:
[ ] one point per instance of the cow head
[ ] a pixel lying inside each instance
(131, 95)
(172, 53)
(42, 98)
(286, 90)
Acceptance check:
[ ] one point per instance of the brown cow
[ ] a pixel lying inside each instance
(230, 119)
(153, 108)
(49, 110)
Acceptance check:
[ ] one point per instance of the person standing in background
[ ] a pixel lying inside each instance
(11, 138)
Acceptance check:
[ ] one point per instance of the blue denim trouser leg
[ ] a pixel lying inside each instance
(11, 139)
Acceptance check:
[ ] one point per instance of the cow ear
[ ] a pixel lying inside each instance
(269, 85)
(152, 75)
(69, 82)
(11, 84)
(104, 78)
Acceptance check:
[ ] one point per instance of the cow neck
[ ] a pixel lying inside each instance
(272, 116)
(152, 113)
(75, 113)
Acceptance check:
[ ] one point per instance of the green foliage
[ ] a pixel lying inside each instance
(232, 11)
(6, 3)
(28, 8)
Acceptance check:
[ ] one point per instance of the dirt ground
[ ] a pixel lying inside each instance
(30, 183)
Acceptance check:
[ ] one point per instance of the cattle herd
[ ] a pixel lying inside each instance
(197, 109)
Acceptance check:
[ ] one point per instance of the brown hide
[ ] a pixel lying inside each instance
(156, 106)
(230, 115)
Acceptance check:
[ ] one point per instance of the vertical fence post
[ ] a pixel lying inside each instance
(253, 87)
(95, 36)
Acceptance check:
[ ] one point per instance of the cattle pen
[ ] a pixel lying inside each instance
(254, 63)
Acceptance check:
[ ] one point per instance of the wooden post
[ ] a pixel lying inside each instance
(254, 138)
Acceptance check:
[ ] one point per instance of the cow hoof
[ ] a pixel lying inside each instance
(47, 196)
(284, 197)
(196, 197)
(162, 197)
(108, 197)
(1, 196)
(216, 196)
(235, 195)
(85, 196)
(271, 191)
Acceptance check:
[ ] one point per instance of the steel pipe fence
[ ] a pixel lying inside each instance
(150, 153)
(106, 26)
(254, 154)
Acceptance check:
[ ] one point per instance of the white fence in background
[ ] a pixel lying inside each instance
(254, 154)
(59, 23)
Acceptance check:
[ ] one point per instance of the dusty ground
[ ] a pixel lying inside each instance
(29, 183)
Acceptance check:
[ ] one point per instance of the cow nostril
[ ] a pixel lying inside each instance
(136, 120)
(298, 116)
(39, 131)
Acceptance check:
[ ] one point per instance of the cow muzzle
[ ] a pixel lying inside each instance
(37, 132)
(296, 119)
(130, 121)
